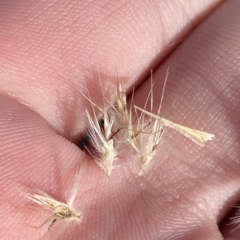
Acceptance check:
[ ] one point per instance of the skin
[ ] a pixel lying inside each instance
(51, 51)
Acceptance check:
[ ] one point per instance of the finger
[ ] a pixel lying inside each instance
(200, 184)
(52, 52)
(33, 157)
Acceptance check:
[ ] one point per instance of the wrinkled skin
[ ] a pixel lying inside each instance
(51, 51)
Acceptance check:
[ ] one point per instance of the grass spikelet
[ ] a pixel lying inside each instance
(102, 141)
(60, 211)
(150, 133)
(147, 141)
(101, 135)
(123, 125)
(143, 135)
(196, 136)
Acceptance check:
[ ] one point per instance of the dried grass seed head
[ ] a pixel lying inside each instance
(60, 211)
(196, 136)
(101, 135)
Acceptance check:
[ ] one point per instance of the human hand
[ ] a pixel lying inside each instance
(50, 53)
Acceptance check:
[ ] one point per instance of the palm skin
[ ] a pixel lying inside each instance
(50, 53)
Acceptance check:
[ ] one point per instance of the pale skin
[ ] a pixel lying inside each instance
(50, 51)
